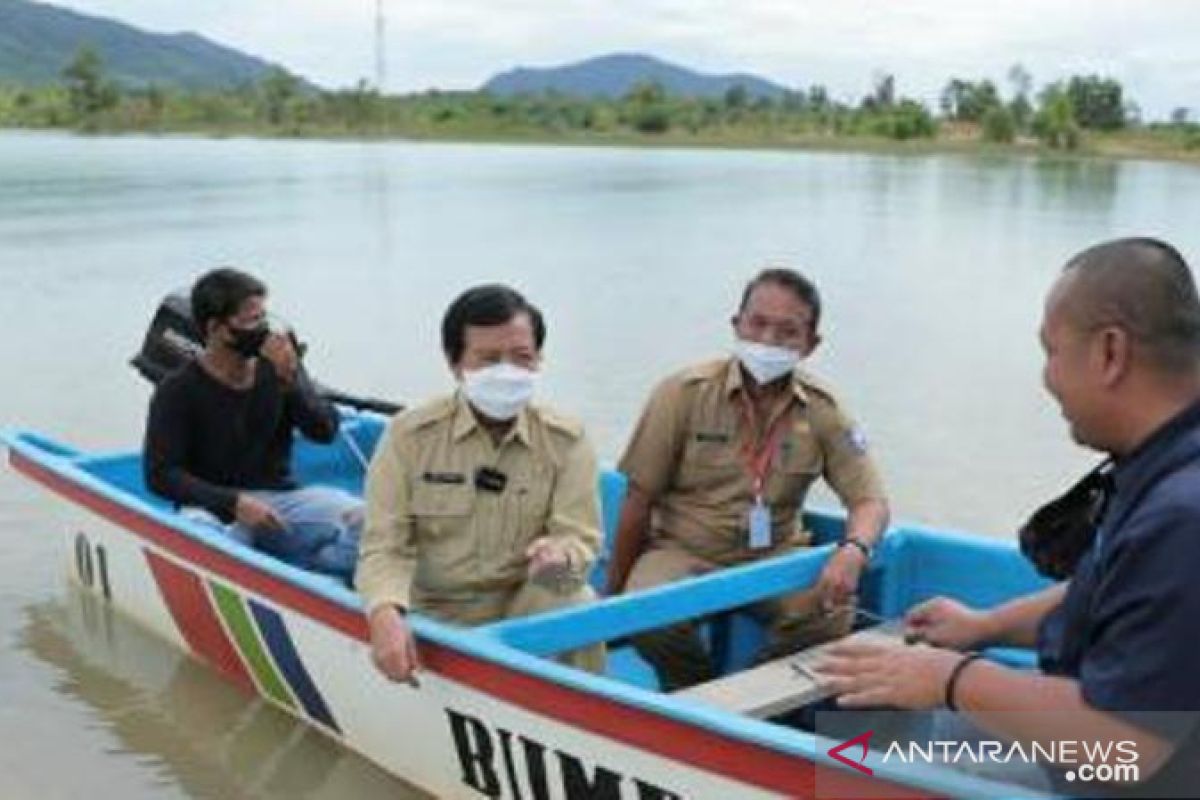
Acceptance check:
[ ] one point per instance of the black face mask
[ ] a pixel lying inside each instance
(247, 342)
(1060, 532)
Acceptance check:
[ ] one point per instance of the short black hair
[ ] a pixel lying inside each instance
(1145, 287)
(804, 289)
(490, 304)
(219, 293)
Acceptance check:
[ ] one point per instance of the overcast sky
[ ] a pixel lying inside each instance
(1151, 46)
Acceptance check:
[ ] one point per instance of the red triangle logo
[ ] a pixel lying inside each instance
(864, 741)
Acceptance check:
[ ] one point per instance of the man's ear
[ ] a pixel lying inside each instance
(814, 343)
(1115, 354)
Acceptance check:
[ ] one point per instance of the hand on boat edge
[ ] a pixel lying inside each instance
(393, 646)
(837, 585)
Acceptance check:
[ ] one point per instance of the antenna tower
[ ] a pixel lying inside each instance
(380, 48)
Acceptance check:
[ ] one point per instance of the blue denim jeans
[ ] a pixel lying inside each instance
(322, 529)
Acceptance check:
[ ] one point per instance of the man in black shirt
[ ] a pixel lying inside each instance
(219, 434)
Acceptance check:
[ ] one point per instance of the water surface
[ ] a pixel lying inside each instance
(932, 267)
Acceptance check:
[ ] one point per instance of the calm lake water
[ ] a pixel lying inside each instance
(933, 269)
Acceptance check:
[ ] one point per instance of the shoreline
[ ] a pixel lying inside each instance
(1098, 148)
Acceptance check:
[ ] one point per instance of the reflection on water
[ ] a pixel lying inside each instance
(1016, 186)
(198, 733)
(1077, 183)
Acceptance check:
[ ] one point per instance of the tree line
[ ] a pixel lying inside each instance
(1058, 115)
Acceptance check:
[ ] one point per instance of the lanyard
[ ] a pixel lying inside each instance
(758, 461)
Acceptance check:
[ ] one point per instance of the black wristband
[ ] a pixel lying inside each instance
(862, 546)
(955, 674)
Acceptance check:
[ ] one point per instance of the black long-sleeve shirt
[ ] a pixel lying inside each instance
(206, 441)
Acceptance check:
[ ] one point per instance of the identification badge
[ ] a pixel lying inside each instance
(760, 525)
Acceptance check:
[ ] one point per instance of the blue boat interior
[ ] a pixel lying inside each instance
(913, 564)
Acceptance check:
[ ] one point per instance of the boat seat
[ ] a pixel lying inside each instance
(781, 685)
(787, 683)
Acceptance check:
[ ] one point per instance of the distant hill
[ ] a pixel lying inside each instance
(612, 76)
(38, 40)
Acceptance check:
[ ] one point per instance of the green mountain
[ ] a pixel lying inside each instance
(38, 40)
(614, 75)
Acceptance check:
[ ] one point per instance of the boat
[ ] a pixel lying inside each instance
(494, 714)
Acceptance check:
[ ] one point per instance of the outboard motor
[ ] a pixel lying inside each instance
(172, 341)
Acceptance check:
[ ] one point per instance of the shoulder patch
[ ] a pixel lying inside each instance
(425, 414)
(856, 439)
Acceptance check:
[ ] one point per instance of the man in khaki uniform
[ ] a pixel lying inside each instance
(719, 465)
(480, 506)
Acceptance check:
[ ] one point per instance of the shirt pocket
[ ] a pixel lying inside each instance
(709, 460)
(800, 464)
(532, 495)
(442, 516)
(800, 453)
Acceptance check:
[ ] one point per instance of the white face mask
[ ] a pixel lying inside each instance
(765, 362)
(499, 391)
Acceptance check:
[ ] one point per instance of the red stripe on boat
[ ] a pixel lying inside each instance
(197, 620)
(199, 554)
(792, 776)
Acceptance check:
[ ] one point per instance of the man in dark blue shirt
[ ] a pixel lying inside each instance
(1117, 642)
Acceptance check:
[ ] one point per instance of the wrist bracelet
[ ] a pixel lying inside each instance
(862, 546)
(955, 674)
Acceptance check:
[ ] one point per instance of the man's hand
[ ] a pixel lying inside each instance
(864, 674)
(254, 514)
(838, 583)
(278, 350)
(946, 623)
(393, 648)
(549, 562)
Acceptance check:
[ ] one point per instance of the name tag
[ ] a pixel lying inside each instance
(444, 477)
(760, 525)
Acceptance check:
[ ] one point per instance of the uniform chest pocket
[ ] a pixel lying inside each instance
(438, 504)
(529, 501)
(800, 453)
(709, 459)
(442, 517)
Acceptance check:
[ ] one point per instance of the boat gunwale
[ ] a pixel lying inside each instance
(730, 744)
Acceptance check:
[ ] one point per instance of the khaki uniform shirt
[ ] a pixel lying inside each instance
(434, 539)
(686, 453)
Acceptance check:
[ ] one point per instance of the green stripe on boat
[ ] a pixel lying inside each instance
(242, 628)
